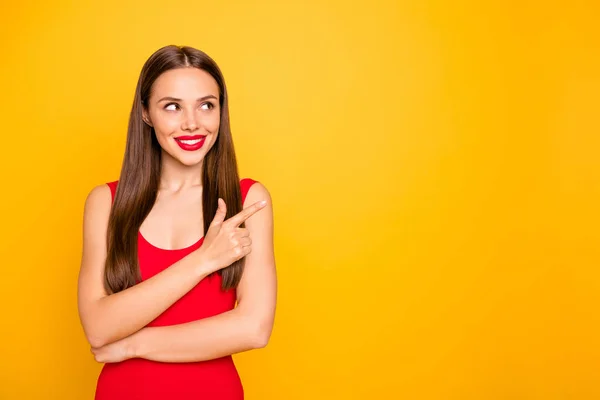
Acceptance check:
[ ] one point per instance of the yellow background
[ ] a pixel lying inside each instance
(434, 168)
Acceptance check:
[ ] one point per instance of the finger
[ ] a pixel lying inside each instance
(242, 232)
(241, 241)
(246, 213)
(240, 251)
(221, 212)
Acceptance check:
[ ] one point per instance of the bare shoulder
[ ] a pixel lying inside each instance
(99, 199)
(95, 216)
(263, 219)
(257, 192)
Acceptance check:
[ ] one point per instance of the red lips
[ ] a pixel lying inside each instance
(190, 147)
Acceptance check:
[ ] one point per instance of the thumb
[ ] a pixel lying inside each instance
(221, 212)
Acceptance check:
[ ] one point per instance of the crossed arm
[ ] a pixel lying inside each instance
(116, 333)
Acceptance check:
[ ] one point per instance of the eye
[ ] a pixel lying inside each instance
(209, 105)
(169, 105)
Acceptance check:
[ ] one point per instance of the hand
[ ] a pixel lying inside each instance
(225, 242)
(118, 351)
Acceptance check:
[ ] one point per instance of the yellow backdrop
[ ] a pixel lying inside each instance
(434, 169)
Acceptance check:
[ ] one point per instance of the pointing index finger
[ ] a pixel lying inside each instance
(246, 213)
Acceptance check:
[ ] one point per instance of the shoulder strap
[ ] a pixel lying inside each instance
(113, 188)
(245, 185)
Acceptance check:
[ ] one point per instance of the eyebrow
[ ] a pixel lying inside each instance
(176, 99)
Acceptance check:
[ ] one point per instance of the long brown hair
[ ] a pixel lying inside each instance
(140, 173)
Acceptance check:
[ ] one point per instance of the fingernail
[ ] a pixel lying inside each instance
(263, 203)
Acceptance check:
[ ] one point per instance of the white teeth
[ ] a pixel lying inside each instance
(190, 141)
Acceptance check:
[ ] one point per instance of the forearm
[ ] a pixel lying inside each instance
(121, 314)
(206, 339)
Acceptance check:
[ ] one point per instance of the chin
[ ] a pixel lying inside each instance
(191, 160)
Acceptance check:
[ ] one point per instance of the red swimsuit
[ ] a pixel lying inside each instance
(143, 379)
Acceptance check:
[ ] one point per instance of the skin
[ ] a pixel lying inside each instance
(115, 325)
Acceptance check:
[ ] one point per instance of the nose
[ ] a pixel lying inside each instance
(189, 121)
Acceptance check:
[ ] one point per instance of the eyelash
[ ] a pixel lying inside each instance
(209, 103)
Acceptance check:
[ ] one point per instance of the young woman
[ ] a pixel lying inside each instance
(170, 247)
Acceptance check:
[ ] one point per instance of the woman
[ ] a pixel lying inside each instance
(157, 304)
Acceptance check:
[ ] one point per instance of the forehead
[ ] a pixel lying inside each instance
(185, 83)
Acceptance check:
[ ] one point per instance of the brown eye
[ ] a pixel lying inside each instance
(170, 104)
(210, 105)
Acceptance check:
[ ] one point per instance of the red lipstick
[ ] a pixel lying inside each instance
(190, 143)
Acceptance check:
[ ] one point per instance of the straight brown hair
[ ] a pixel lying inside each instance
(140, 173)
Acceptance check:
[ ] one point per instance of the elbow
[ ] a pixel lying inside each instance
(92, 327)
(96, 341)
(261, 342)
(262, 335)
(95, 338)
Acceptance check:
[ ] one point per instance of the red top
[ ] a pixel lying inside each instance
(138, 378)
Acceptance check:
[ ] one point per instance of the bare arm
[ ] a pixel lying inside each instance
(108, 318)
(246, 327)
(206, 339)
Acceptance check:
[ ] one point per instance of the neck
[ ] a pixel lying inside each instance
(174, 176)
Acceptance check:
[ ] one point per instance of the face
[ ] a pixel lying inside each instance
(184, 110)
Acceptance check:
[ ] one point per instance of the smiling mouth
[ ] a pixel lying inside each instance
(190, 143)
(190, 140)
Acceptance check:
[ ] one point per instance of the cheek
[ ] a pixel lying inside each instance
(213, 124)
(167, 125)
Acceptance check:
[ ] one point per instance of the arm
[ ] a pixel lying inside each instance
(246, 327)
(108, 318)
